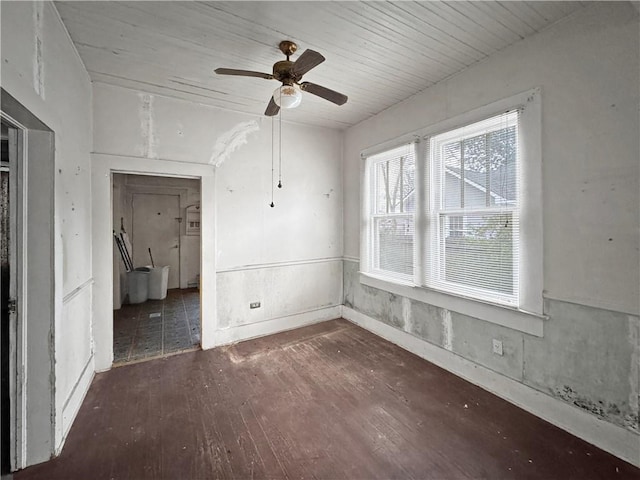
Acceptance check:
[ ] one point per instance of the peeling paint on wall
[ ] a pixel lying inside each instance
(231, 140)
(567, 363)
(38, 63)
(149, 142)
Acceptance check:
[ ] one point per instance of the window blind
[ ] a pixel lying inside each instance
(391, 209)
(473, 214)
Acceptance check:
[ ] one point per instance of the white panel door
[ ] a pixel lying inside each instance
(156, 225)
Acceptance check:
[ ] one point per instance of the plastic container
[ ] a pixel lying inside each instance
(138, 285)
(158, 281)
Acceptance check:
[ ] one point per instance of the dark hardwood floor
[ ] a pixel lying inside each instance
(329, 401)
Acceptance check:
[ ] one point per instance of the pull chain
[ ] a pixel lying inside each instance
(280, 149)
(272, 160)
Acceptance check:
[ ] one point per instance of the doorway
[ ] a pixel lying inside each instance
(151, 214)
(30, 175)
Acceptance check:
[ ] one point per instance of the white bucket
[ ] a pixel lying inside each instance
(138, 280)
(158, 281)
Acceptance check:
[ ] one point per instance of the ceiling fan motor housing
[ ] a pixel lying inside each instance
(282, 71)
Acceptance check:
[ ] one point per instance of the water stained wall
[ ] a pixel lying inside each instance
(587, 357)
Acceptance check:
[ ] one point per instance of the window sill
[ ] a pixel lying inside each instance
(526, 322)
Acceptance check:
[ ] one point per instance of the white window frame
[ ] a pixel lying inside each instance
(528, 315)
(372, 258)
(434, 268)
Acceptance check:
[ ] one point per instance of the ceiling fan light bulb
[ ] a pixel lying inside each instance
(287, 96)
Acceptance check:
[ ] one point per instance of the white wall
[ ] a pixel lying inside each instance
(41, 69)
(302, 235)
(588, 70)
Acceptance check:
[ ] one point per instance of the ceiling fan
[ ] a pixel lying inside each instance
(290, 73)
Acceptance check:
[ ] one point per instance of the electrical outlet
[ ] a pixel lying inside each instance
(497, 347)
(254, 305)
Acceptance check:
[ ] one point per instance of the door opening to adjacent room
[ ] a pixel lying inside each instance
(156, 266)
(28, 326)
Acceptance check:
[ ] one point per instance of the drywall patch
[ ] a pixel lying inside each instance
(447, 329)
(632, 420)
(231, 140)
(147, 128)
(406, 314)
(426, 322)
(349, 272)
(38, 62)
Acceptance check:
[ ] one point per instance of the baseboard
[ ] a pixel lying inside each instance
(611, 438)
(74, 401)
(276, 325)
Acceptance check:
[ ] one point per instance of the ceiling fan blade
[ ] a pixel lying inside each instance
(272, 108)
(243, 73)
(324, 92)
(306, 62)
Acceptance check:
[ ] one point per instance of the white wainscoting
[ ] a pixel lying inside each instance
(276, 325)
(75, 362)
(291, 295)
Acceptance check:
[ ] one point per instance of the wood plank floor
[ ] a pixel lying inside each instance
(329, 401)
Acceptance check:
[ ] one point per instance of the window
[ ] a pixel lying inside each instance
(473, 211)
(391, 212)
(459, 212)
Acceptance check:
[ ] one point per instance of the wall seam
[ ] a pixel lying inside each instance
(73, 45)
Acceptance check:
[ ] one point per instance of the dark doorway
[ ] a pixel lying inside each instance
(5, 221)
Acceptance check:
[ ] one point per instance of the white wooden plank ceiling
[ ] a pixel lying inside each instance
(377, 53)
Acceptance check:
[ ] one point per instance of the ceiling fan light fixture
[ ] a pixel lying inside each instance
(287, 96)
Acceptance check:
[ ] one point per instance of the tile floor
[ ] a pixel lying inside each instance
(157, 327)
